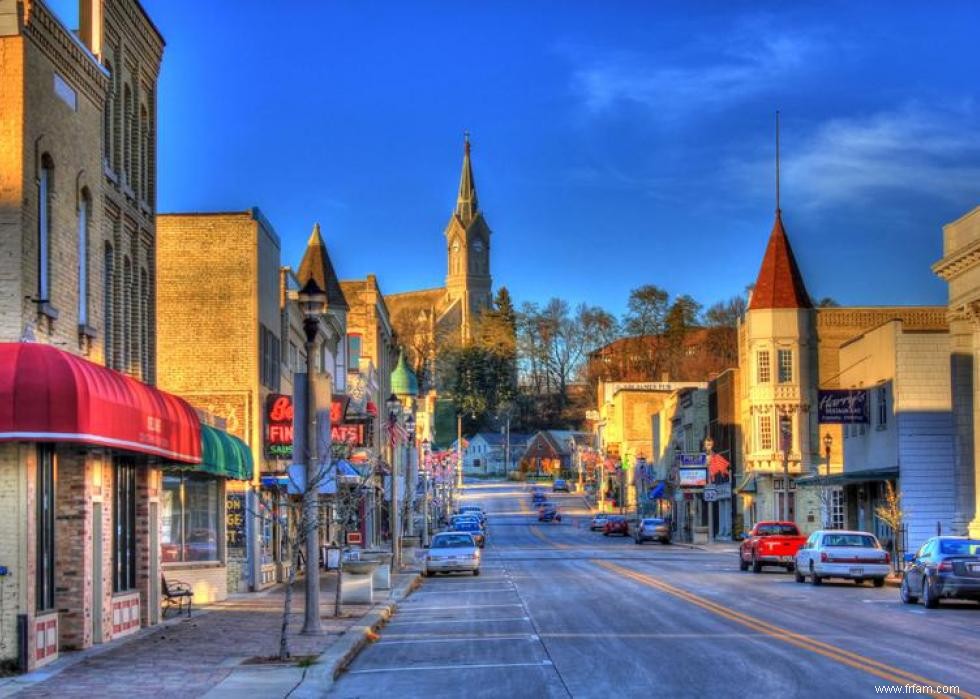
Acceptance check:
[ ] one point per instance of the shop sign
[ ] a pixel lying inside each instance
(842, 407)
(235, 519)
(692, 477)
(279, 425)
(351, 433)
(692, 459)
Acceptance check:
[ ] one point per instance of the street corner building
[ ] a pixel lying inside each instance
(86, 440)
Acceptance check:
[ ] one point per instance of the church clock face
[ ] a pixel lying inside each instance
(455, 246)
(478, 246)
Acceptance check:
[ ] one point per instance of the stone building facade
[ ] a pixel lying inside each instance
(960, 268)
(77, 199)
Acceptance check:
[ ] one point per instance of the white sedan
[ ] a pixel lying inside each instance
(452, 552)
(834, 553)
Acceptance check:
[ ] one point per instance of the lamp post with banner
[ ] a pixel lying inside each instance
(709, 444)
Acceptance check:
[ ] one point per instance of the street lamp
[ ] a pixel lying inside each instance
(313, 303)
(424, 463)
(827, 442)
(394, 409)
(409, 472)
(709, 444)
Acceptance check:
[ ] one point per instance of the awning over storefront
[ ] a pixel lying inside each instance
(225, 455)
(340, 471)
(48, 395)
(748, 485)
(851, 477)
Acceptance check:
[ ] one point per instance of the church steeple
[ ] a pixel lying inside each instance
(466, 202)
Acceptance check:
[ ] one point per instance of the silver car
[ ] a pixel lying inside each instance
(653, 529)
(452, 552)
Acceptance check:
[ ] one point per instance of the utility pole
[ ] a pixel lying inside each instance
(459, 452)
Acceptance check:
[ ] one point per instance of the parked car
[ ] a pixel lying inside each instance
(834, 553)
(616, 524)
(653, 529)
(472, 527)
(945, 567)
(560, 484)
(538, 498)
(474, 510)
(452, 552)
(599, 522)
(770, 544)
(548, 514)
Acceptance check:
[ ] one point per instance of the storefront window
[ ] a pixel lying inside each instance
(269, 513)
(191, 518)
(124, 529)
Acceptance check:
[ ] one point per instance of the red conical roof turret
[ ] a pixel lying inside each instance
(779, 284)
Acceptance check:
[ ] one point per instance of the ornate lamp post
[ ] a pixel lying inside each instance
(409, 473)
(709, 444)
(313, 302)
(424, 462)
(394, 406)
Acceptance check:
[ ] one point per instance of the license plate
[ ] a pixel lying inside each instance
(975, 567)
(857, 571)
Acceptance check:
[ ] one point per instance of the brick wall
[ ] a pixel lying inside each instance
(13, 533)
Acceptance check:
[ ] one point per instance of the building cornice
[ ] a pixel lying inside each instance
(958, 262)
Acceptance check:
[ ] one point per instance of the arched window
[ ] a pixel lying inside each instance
(127, 136)
(108, 282)
(126, 324)
(107, 118)
(84, 214)
(144, 138)
(144, 325)
(45, 183)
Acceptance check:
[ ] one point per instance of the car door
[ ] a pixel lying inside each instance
(803, 555)
(916, 571)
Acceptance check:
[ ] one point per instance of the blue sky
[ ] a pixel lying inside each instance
(615, 143)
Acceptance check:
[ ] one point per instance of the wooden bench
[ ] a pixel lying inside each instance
(176, 595)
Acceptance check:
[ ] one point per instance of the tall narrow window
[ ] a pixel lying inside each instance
(762, 364)
(126, 323)
(143, 138)
(45, 178)
(882, 407)
(784, 359)
(785, 433)
(108, 282)
(107, 118)
(127, 136)
(124, 526)
(44, 563)
(354, 352)
(765, 433)
(144, 326)
(83, 217)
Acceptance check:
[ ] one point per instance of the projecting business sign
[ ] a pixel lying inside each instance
(692, 477)
(843, 407)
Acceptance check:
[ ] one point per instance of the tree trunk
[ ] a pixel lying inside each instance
(340, 577)
(284, 628)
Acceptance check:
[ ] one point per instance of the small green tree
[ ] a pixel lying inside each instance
(890, 512)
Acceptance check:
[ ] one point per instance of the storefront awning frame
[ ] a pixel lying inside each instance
(850, 477)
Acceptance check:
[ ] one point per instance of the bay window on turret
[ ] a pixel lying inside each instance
(763, 370)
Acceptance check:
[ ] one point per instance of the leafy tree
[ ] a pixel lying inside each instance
(646, 311)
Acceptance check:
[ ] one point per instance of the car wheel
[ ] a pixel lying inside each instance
(756, 564)
(878, 582)
(905, 593)
(790, 567)
(858, 581)
(476, 572)
(743, 565)
(929, 600)
(605, 533)
(814, 578)
(798, 576)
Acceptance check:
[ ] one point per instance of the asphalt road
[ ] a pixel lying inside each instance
(560, 611)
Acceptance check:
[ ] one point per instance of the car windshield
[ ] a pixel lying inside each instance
(467, 526)
(452, 541)
(777, 530)
(616, 518)
(850, 540)
(960, 547)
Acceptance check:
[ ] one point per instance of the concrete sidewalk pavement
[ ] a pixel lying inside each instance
(203, 655)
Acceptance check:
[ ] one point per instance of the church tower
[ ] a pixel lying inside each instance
(468, 281)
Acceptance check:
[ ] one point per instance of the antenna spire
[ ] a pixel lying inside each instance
(777, 161)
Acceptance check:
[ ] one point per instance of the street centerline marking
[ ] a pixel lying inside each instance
(849, 658)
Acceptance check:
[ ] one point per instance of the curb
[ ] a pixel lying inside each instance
(321, 676)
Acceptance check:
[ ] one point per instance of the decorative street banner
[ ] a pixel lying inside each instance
(842, 407)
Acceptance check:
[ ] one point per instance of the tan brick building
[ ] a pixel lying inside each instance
(79, 521)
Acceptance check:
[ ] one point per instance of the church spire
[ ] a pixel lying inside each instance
(466, 202)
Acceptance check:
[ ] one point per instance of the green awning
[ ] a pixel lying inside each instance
(851, 477)
(224, 455)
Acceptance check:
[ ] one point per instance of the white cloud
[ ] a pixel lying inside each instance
(913, 150)
(750, 60)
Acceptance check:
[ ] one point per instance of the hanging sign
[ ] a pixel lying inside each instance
(842, 407)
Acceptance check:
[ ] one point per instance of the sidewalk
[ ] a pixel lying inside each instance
(203, 655)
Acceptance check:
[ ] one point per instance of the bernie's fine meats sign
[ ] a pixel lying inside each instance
(843, 407)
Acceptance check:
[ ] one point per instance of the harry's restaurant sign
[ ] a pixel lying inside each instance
(842, 407)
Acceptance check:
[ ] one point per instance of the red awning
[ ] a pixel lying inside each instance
(47, 395)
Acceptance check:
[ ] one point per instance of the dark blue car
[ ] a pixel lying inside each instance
(945, 567)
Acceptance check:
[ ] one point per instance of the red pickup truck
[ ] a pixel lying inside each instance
(770, 544)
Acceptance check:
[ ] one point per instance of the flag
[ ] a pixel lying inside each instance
(718, 465)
